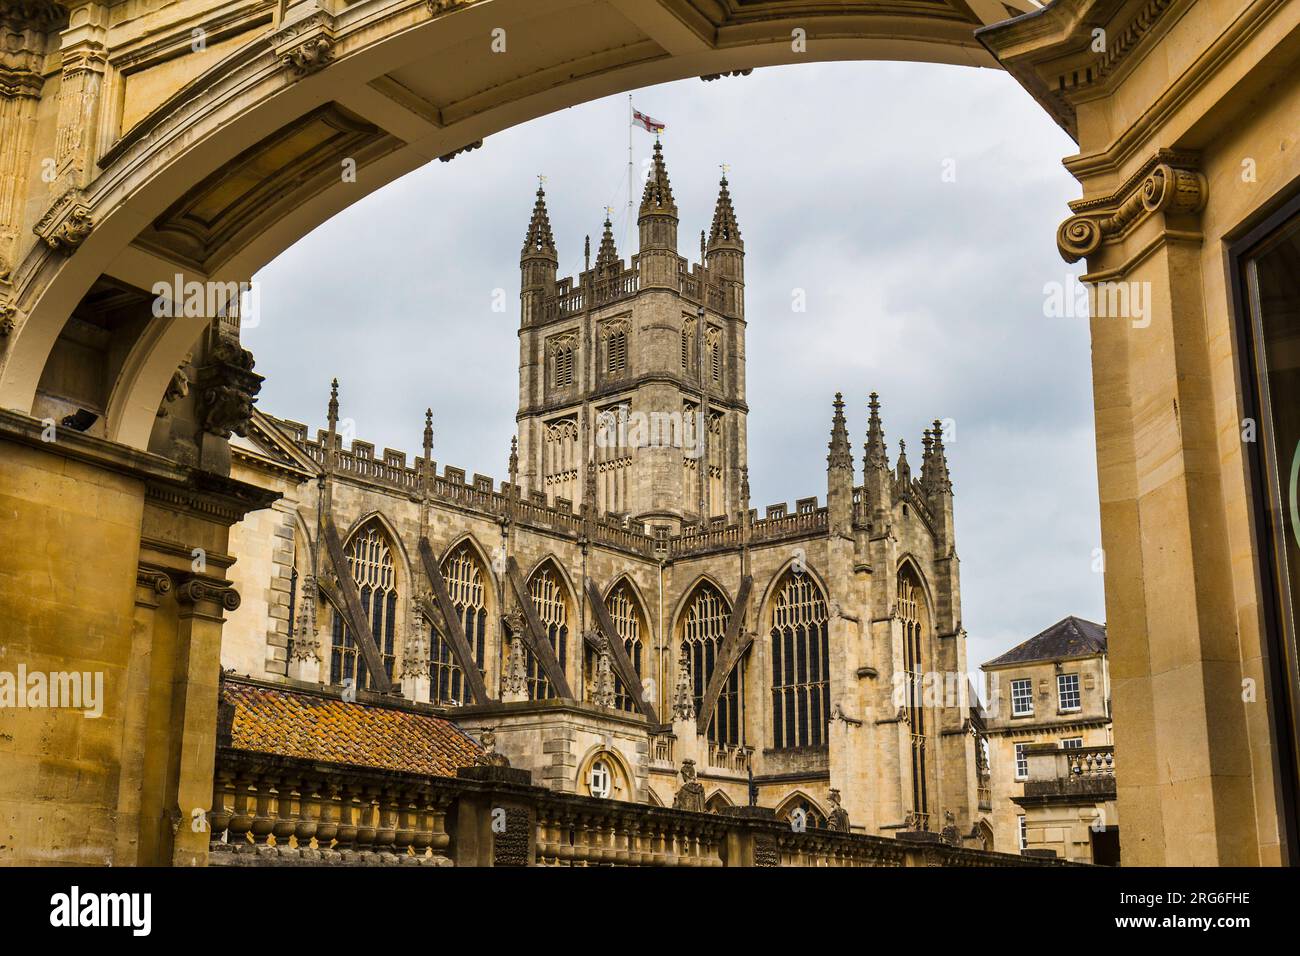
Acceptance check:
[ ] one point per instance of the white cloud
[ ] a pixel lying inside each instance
(929, 292)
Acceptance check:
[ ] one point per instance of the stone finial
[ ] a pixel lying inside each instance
(306, 646)
(684, 695)
(841, 455)
(874, 453)
(603, 692)
(903, 471)
(332, 415)
(428, 436)
(514, 682)
(938, 481)
(607, 260)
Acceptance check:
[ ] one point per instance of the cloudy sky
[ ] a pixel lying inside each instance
(914, 204)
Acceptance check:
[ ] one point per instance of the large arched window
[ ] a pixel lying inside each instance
(911, 612)
(370, 560)
(629, 623)
(801, 687)
(465, 578)
(550, 601)
(703, 628)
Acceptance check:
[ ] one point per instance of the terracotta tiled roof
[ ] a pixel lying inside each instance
(1072, 637)
(294, 723)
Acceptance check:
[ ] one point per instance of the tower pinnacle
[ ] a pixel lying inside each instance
(875, 455)
(841, 455)
(539, 241)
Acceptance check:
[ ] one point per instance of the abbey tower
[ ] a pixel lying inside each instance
(636, 373)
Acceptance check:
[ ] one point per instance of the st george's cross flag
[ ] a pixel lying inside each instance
(647, 123)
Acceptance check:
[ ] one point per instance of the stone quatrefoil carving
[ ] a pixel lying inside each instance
(1162, 186)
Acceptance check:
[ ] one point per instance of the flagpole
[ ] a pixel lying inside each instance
(627, 225)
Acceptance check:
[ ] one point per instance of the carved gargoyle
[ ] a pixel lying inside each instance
(230, 388)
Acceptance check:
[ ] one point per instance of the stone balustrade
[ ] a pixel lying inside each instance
(269, 810)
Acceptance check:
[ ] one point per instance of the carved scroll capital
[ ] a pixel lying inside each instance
(1168, 183)
(197, 590)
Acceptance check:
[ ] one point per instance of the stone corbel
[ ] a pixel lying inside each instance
(306, 45)
(1168, 183)
(67, 223)
(8, 319)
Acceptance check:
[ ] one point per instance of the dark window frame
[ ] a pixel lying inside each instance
(1281, 678)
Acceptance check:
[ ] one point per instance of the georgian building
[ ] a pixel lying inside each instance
(614, 608)
(1050, 758)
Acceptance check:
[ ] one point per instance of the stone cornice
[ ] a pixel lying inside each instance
(1169, 182)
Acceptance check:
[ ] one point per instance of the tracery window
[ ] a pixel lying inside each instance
(704, 626)
(910, 605)
(616, 347)
(813, 818)
(688, 337)
(560, 458)
(800, 664)
(464, 575)
(370, 561)
(563, 349)
(629, 625)
(713, 351)
(549, 597)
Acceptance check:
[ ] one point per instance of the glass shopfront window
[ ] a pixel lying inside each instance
(1266, 267)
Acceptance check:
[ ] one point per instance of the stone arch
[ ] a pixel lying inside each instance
(565, 637)
(263, 92)
(717, 802)
(468, 537)
(679, 608)
(617, 762)
(769, 592)
(642, 658)
(405, 570)
(392, 618)
(797, 798)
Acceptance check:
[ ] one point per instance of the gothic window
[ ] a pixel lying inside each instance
(616, 348)
(688, 337)
(562, 350)
(370, 561)
(713, 351)
(911, 602)
(613, 457)
(464, 575)
(703, 628)
(813, 818)
(800, 664)
(560, 458)
(629, 624)
(715, 453)
(549, 597)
